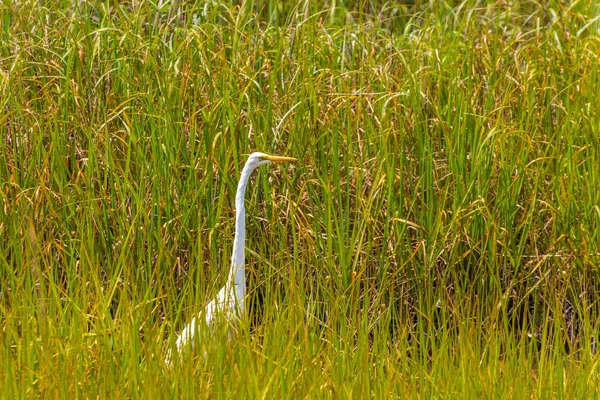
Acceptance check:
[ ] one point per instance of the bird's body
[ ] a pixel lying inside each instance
(228, 305)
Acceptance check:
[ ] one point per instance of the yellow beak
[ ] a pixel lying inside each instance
(278, 158)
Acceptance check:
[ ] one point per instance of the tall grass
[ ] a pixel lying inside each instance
(439, 237)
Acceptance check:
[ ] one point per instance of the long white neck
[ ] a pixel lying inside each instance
(237, 272)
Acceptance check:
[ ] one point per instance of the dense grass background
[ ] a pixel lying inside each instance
(439, 236)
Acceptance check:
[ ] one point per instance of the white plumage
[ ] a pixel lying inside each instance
(228, 305)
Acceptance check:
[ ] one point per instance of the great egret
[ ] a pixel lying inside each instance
(229, 303)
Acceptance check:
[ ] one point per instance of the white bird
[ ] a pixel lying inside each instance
(228, 306)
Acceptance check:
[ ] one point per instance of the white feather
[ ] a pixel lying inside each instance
(228, 305)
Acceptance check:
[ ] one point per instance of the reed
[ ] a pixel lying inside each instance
(438, 237)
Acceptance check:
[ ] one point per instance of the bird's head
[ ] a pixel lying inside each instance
(257, 159)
